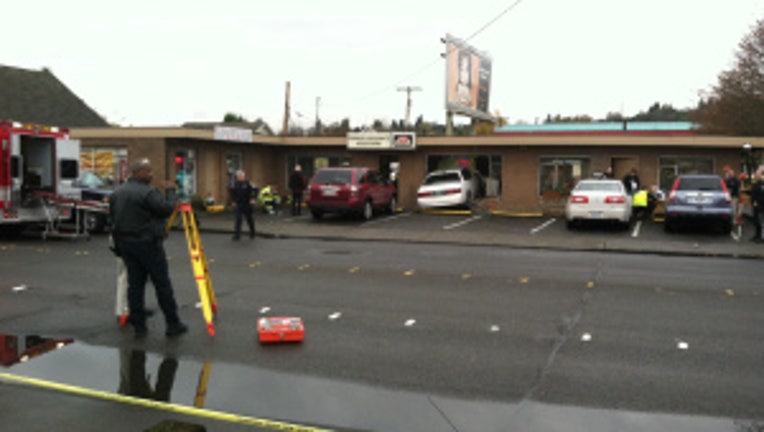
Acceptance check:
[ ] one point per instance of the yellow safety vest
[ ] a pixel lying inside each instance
(640, 198)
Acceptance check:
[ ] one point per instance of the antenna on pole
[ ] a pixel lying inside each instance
(408, 90)
(285, 126)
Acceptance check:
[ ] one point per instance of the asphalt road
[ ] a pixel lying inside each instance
(521, 328)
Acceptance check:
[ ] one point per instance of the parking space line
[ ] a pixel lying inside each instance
(386, 219)
(462, 222)
(543, 225)
(637, 226)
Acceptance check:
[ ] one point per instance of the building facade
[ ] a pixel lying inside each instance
(524, 168)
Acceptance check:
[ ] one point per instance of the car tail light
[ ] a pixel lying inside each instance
(672, 194)
(452, 191)
(615, 199)
(423, 194)
(579, 199)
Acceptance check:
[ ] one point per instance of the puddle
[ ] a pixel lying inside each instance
(251, 391)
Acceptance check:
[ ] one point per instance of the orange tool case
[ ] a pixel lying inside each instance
(280, 329)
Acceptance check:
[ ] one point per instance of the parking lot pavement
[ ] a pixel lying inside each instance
(483, 228)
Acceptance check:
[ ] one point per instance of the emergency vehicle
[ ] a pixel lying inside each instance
(38, 169)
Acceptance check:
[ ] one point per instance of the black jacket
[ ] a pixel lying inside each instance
(297, 182)
(242, 193)
(139, 212)
(757, 193)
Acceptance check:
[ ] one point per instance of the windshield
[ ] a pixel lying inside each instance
(599, 186)
(333, 177)
(91, 180)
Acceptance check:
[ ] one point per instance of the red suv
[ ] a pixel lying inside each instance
(350, 190)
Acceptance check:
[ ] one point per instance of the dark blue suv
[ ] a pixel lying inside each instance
(699, 197)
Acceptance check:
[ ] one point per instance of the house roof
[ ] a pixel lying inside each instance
(258, 127)
(602, 128)
(39, 97)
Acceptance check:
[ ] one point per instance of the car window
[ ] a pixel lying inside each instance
(374, 177)
(442, 178)
(333, 177)
(597, 186)
(699, 183)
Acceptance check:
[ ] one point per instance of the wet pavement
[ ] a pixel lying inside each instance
(248, 396)
(90, 387)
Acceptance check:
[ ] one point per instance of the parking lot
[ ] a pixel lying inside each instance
(484, 228)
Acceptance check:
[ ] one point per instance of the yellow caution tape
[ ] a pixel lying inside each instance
(165, 406)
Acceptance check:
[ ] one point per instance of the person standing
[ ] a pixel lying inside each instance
(631, 181)
(138, 214)
(242, 198)
(757, 202)
(297, 184)
(733, 187)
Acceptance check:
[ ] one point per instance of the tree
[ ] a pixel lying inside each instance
(665, 112)
(233, 118)
(735, 105)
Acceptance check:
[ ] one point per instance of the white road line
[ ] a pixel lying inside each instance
(265, 310)
(637, 226)
(494, 328)
(410, 322)
(335, 316)
(387, 219)
(462, 223)
(542, 226)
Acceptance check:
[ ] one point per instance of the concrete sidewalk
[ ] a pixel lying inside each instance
(283, 226)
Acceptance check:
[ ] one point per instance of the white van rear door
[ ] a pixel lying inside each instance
(67, 168)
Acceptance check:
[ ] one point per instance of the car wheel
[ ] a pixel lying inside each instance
(317, 214)
(92, 221)
(392, 206)
(368, 211)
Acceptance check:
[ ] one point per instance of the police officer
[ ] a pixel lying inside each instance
(138, 214)
(757, 202)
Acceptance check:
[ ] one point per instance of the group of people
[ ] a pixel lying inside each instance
(138, 217)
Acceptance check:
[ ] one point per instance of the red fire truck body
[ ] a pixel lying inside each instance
(38, 169)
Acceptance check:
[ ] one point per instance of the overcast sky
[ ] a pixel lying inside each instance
(156, 63)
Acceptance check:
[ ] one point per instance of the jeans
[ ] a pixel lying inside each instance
(296, 203)
(146, 259)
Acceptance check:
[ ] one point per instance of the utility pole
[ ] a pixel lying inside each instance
(408, 90)
(285, 126)
(318, 120)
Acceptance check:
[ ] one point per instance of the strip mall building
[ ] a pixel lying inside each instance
(526, 168)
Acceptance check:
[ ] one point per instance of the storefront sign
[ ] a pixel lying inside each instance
(225, 133)
(381, 140)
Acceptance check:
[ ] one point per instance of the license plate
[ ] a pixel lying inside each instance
(329, 191)
(596, 214)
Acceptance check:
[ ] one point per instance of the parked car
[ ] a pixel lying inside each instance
(93, 188)
(699, 197)
(598, 200)
(448, 188)
(356, 190)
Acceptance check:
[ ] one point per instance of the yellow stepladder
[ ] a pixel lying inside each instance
(198, 263)
(201, 387)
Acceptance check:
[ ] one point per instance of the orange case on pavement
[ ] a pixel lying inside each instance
(280, 329)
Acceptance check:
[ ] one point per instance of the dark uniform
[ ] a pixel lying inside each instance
(297, 185)
(138, 213)
(757, 201)
(242, 194)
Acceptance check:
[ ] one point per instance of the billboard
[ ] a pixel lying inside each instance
(468, 79)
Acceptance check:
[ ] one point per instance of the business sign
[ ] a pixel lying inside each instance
(468, 79)
(381, 140)
(225, 133)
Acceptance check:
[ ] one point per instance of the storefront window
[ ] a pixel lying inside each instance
(233, 163)
(672, 166)
(558, 175)
(488, 168)
(310, 164)
(108, 163)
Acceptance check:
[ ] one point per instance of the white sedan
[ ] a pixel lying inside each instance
(447, 188)
(598, 200)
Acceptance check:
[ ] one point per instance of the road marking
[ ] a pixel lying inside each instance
(494, 328)
(586, 337)
(255, 264)
(354, 270)
(19, 288)
(335, 316)
(462, 223)
(590, 284)
(387, 219)
(408, 273)
(265, 310)
(637, 226)
(466, 276)
(525, 280)
(303, 267)
(164, 406)
(543, 225)
(410, 322)
(730, 292)
(682, 345)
